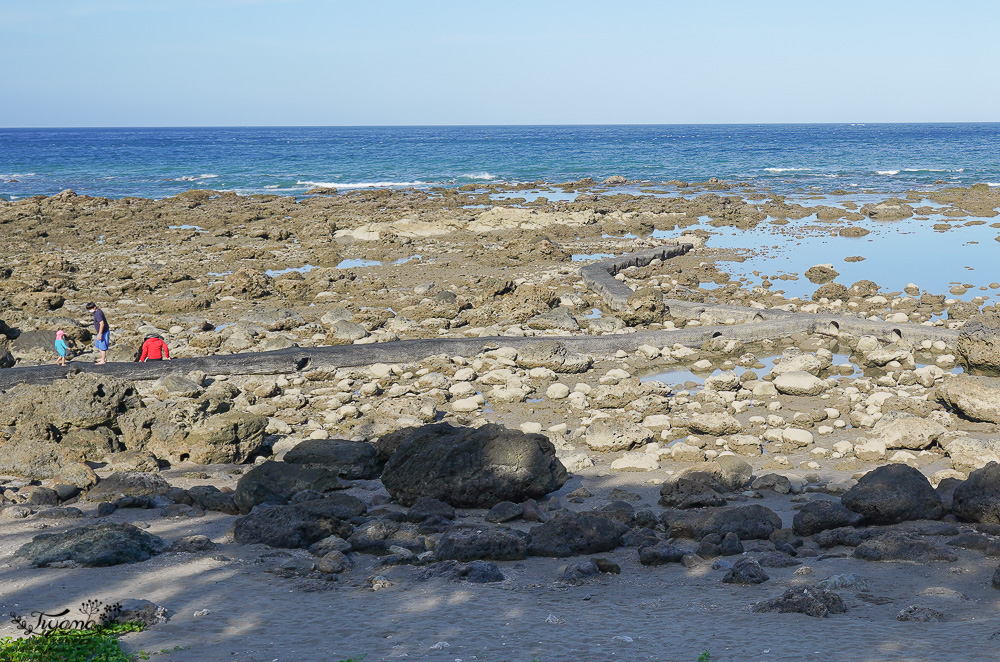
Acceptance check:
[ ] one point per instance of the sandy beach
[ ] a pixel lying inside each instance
(773, 407)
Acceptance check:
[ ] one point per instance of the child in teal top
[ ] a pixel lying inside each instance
(62, 347)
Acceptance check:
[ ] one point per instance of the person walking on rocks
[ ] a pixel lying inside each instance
(103, 340)
(62, 347)
(154, 349)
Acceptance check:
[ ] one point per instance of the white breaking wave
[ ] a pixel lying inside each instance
(886, 172)
(193, 178)
(360, 184)
(987, 183)
(479, 175)
(783, 169)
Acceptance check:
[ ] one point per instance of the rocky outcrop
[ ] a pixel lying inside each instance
(84, 400)
(979, 344)
(472, 467)
(976, 398)
(204, 430)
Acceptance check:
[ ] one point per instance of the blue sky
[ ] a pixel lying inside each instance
(328, 62)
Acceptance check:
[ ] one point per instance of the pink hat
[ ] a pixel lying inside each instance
(60, 335)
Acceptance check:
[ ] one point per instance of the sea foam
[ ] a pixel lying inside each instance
(360, 184)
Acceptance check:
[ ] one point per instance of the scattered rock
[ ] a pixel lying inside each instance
(97, 545)
(811, 601)
(746, 572)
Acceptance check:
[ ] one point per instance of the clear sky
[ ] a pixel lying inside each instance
(331, 62)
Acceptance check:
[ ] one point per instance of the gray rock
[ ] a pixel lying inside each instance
(753, 522)
(977, 499)
(300, 525)
(847, 536)
(746, 572)
(276, 482)
(426, 508)
(569, 534)
(577, 573)
(920, 615)
(976, 398)
(66, 512)
(849, 580)
(552, 355)
(84, 400)
(97, 545)
(141, 611)
(492, 543)
(209, 497)
(894, 493)
(377, 536)
(193, 544)
(352, 460)
(811, 601)
(902, 547)
(691, 491)
(128, 484)
(730, 545)
(504, 511)
(660, 553)
(979, 344)
(606, 434)
(819, 516)
(176, 386)
(472, 467)
(777, 560)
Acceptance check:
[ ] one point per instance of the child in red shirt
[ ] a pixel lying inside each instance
(154, 349)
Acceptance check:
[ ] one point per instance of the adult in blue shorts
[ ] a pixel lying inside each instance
(103, 338)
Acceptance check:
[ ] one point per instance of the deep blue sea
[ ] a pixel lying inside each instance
(784, 158)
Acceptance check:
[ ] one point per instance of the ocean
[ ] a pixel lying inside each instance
(789, 159)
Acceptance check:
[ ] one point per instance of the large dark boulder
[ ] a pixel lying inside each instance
(97, 545)
(819, 516)
(979, 344)
(299, 525)
(569, 534)
(752, 522)
(893, 493)
(492, 543)
(472, 467)
(276, 483)
(352, 460)
(978, 498)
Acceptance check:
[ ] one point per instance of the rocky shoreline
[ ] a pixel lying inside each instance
(420, 427)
